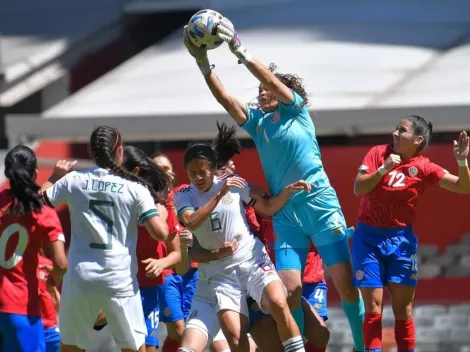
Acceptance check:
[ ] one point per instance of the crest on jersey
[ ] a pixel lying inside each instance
(227, 199)
(413, 171)
(275, 117)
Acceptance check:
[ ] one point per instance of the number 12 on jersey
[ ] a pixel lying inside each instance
(94, 206)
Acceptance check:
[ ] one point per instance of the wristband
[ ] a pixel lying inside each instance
(463, 162)
(243, 55)
(382, 170)
(204, 65)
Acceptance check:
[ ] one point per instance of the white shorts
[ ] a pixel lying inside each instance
(79, 311)
(102, 341)
(232, 286)
(203, 316)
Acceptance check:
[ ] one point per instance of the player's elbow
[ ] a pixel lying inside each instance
(359, 190)
(157, 228)
(61, 264)
(464, 190)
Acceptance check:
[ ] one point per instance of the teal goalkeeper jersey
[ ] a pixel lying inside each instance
(287, 146)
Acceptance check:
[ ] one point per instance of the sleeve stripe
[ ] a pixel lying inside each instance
(46, 199)
(147, 215)
(252, 202)
(183, 209)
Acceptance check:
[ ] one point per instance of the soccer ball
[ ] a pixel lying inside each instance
(202, 28)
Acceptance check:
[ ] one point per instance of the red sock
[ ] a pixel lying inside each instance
(311, 348)
(405, 335)
(170, 345)
(372, 330)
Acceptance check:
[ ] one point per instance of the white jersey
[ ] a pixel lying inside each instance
(226, 222)
(105, 210)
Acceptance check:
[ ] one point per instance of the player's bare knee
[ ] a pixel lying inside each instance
(278, 305)
(402, 312)
(294, 296)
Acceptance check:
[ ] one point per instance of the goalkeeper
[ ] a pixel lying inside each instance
(284, 135)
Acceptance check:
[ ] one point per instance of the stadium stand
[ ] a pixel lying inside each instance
(35, 53)
(360, 60)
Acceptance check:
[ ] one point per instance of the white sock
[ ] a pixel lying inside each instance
(295, 344)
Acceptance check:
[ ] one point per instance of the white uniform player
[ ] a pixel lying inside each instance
(105, 210)
(231, 279)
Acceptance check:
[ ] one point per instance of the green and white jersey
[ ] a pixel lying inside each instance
(105, 211)
(227, 221)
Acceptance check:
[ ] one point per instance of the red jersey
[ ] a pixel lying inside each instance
(48, 313)
(392, 203)
(313, 266)
(21, 238)
(148, 247)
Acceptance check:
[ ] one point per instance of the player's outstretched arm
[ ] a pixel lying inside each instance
(226, 31)
(461, 183)
(270, 206)
(192, 219)
(61, 168)
(233, 107)
(154, 267)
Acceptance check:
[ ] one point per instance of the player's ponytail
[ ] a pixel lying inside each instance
(20, 170)
(421, 128)
(154, 175)
(225, 144)
(104, 144)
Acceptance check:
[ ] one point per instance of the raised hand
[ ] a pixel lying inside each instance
(192, 49)
(392, 162)
(226, 31)
(461, 147)
(62, 168)
(200, 54)
(236, 182)
(298, 186)
(186, 238)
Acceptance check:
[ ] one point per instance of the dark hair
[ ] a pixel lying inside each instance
(200, 151)
(421, 128)
(104, 143)
(218, 154)
(225, 144)
(292, 81)
(20, 166)
(154, 175)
